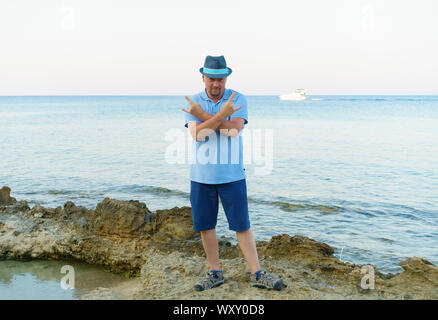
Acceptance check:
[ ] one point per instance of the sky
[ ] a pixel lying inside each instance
(156, 47)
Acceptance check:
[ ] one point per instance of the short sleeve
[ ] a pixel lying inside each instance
(190, 117)
(243, 112)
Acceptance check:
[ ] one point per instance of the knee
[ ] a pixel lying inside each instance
(245, 231)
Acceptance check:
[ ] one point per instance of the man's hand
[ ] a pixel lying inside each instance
(228, 107)
(194, 108)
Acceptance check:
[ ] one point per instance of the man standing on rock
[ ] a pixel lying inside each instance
(217, 171)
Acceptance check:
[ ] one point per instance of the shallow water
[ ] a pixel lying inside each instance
(41, 280)
(357, 172)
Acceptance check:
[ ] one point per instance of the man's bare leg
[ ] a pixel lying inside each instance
(211, 248)
(248, 246)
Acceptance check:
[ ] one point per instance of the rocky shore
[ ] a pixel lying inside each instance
(163, 257)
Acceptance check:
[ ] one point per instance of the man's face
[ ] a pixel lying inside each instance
(215, 86)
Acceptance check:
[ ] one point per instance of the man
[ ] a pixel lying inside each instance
(212, 121)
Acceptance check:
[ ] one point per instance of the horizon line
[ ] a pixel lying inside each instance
(155, 95)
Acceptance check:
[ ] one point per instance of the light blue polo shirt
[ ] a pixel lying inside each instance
(219, 158)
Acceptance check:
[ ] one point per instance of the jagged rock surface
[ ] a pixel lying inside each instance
(162, 251)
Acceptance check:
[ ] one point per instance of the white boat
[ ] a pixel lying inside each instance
(299, 94)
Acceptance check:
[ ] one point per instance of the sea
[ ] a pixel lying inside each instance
(358, 172)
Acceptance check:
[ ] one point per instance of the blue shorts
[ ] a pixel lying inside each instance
(205, 205)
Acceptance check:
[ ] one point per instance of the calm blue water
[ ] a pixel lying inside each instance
(357, 172)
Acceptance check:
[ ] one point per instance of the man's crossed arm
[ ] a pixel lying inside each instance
(232, 127)
(214, 122)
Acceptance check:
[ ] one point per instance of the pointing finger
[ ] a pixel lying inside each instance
(185, 110)
(232, 96)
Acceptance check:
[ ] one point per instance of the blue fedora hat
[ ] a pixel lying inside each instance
(215, 67)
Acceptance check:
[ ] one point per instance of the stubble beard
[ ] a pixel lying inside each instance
(213, 95)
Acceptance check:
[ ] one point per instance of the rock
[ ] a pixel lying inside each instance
(418, 267)
(39, 211)
(83, 223)
(123, 218)
(100, 294)
(5, 197)
(167, 257)
(37, 207)
(68, 206)
(419, 280)
(295, 247)
(39, 215)
(71, 209)
(21, 205)
(175, 223)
